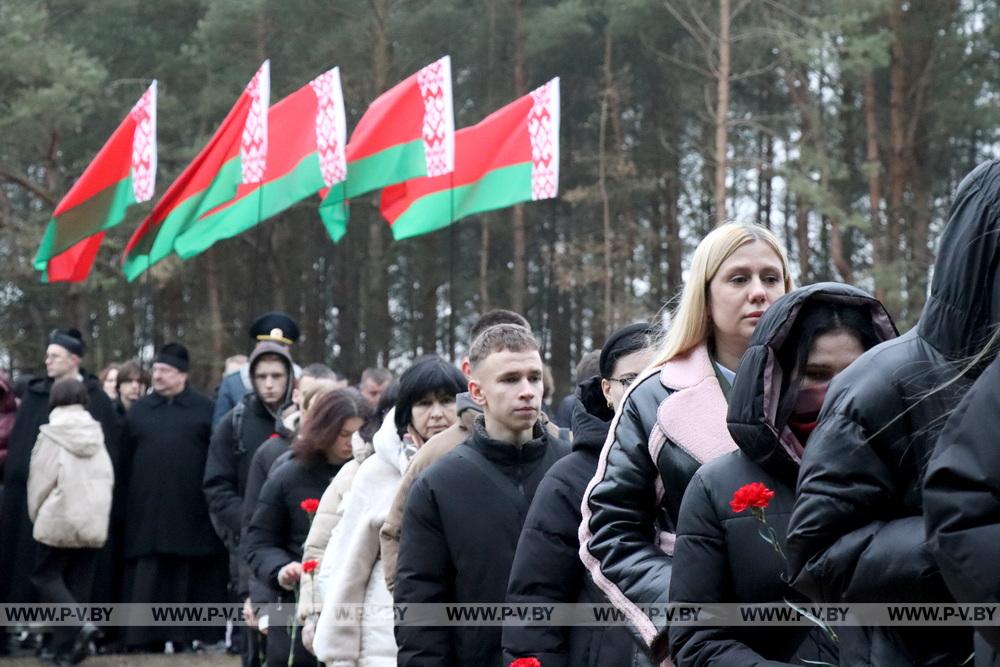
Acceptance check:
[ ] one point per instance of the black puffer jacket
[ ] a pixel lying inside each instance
(962, 504)
(857, 531)
(720, 556)
(547, 567)
(671, 421)
(462, 527)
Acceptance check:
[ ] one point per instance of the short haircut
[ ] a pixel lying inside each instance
(131, 370)
(501, 338)
(495, 317)
(68, 391)
(589, 366)
(320, 372)
(236, 359)
(377, 375)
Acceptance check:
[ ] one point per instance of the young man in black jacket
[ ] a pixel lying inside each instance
(464, 514)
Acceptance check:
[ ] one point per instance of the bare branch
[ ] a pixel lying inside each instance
(707, 46)
(739, 8)
(13, 176)
(750, 73)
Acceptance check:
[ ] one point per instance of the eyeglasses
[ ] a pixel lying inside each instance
(625, 380)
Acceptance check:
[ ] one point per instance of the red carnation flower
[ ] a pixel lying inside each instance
(526, 662)
(754, 494)
(309, 505)
(309, 566)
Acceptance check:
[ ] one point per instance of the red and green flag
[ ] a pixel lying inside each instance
(307, 136)
(512, 156)
(121, 174)
(408, 132)
(236, 153)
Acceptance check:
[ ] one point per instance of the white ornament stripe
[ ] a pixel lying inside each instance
(543, 128)
(144, 145)
(439, 122)
(253, 144)
(331, 128)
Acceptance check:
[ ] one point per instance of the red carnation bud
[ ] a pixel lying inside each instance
(754, 494)
(309, 566)
(309, 505)
(526, 662)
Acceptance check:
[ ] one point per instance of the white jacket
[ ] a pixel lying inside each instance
(352, 565)
(70, 481)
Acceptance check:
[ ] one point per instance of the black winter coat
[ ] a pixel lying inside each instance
(962, 504)
(857, 531)
(671, 421)
(269, 455)
(17, 546)
(547, 567)
(461, 531)
(166, 443)
(720, 556)
(279, 525)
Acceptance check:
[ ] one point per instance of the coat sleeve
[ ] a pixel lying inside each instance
(546, 569)
(962, 498)
(425, 574)
(267, 535)
(618, 531)
(226, 399)
(840, 547)
(220, 486)
(701, 575)
(326, 519)
(42, 474)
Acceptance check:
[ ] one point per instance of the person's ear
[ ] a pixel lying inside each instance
(476, 393)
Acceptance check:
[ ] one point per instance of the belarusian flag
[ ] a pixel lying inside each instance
(121, 174)
(409, 131)
(305, 154)
(512, 156)
(235, 154)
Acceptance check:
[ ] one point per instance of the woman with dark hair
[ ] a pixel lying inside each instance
(280, 524)
(800, 344)
(547, 568)
(425, 407)
(131, 384)
(109, 380)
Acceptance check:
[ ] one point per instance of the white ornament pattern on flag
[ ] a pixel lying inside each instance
(439, 125)
(330, 130)
(543, 128)
(144, 146)
(253, 145)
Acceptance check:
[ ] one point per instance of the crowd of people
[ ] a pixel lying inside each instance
(295, 493)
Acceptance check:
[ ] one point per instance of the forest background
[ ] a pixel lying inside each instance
(844, 126)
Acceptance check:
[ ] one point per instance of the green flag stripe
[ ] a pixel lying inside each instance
(102, 211)
(496, 189)
(271, 199)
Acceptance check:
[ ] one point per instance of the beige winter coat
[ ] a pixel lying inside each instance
(70, 481)
(331, 509)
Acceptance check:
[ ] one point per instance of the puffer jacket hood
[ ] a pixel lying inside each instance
(753, 402)
(281, 351)
(591, 417)
(964, 287)
(389, 446)
(72, 428)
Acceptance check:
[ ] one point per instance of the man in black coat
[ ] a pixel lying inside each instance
(172, 553)
(464, 513)
(17, 547)
(857, 532)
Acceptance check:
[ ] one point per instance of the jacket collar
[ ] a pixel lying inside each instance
(693, 416)
(183, 399)
(506, 454)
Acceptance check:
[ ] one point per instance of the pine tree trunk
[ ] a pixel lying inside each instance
(214, 304)
(873, 164)
(608, 318)
(722, 113)
(519, 282)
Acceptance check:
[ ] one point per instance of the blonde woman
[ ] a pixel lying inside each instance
(673, 419)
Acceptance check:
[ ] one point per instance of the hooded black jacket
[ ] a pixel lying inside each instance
(229, 456)
(962, 504)
(547, 567)
(856, 533)
(720, 556)
(459, 541)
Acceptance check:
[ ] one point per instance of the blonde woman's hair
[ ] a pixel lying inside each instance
(689, 325)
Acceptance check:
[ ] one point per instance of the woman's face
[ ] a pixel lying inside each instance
(432, 414)
(341, 452)
(829, 354)
(111, 383)
(745, 286)
(626, 370)
(130, 391)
